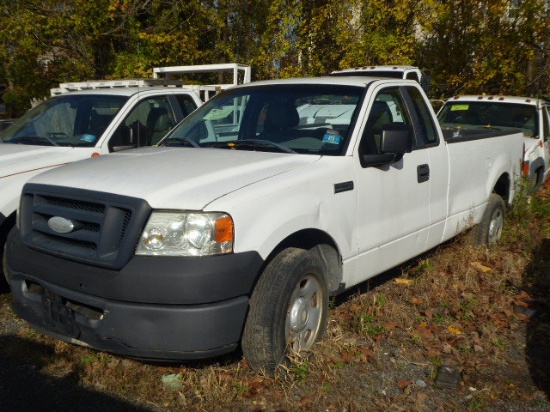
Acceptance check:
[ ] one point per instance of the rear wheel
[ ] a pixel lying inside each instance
(4, 280)
(490, 228)
(288, 310)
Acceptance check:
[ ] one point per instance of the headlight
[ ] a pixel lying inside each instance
(186, 234)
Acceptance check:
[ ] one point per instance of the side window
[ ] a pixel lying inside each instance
(426, 133)
(545, 125)
(412, 76)
(148, 122)
(388, 108)
(186, 103)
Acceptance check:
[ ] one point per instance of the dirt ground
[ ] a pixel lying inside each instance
(461, 328)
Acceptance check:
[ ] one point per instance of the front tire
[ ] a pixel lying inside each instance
(288, 310)
(490, 228)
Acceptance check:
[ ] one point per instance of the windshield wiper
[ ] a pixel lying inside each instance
(253, 144)
(32, 140)
(180, 140)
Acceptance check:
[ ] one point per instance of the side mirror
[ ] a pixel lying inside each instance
(396, 140)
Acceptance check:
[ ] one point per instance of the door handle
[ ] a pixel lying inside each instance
(423, 173)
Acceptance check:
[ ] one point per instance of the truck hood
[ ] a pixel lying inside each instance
(17, 158)
(174, 178)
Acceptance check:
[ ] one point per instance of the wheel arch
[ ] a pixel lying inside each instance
(502, 188)
(537, 172)
(5, 226)
(322, 245)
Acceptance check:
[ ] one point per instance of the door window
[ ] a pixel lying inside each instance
(148, 122)
(426, 132)
(388, 108)
(545, 126)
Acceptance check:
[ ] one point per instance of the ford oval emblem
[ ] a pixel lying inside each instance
(61, 225)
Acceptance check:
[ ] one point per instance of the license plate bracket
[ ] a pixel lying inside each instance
(58, 316)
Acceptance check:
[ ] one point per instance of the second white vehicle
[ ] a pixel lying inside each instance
(506, 113)
(93, 118)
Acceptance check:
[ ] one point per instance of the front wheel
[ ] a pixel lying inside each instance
(288, 310)
(490, 228)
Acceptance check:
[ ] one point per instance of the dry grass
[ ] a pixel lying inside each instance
(470, 307)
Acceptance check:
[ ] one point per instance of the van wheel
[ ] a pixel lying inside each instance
(489, 229)
(288, 310)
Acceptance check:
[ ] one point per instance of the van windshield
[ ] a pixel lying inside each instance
(307, 119)
(67, 120)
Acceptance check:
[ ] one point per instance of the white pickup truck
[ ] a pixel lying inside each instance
(86, 119)
(263, 202)
(506, 113)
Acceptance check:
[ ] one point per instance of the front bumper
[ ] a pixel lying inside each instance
(153, 308)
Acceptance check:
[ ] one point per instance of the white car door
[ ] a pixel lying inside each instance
(393, 199)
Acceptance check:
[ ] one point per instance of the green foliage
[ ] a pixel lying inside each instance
(478, 46)
(300, 370)
(17, 101)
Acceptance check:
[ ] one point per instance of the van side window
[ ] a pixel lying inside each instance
(388, 108)
(426, 133)
(545, 125)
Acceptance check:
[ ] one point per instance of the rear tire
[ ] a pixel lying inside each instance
(490, 228)
(288, 310)
(4, 280)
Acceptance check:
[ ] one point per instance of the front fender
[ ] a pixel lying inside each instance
(267, 212)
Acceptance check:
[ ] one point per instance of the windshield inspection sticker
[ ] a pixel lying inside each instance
(459, 107)
(219, 114)
(89, 138)
(332, 137)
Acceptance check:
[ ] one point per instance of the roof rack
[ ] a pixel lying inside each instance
(205, 91)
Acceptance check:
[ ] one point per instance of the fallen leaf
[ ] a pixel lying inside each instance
(354, 308)
(401, 281)
(421, 397)
(402, 384)
(365, 351)
(391, 325)
(432, 353)
(305, 402)
(479, 267)
(522, 303)
(454, 330)
(347, 356)
(416, 301)
(429, 313)
(524, 295)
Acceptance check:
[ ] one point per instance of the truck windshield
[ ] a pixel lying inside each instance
(499, 115)
(307, 119)
(66, 120)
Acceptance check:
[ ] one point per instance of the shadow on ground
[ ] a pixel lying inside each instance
(24, 388)
(537, 348)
